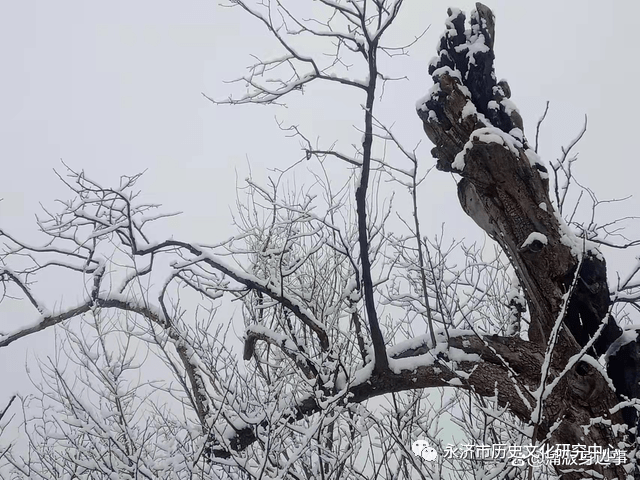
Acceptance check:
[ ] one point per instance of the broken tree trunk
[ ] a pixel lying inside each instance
(478, 134)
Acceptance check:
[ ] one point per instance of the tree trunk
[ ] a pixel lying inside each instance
(478, 134)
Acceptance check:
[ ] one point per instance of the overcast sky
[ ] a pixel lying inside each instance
(115, 88)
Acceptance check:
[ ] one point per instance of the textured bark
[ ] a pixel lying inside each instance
(504, 188)
(510, 367)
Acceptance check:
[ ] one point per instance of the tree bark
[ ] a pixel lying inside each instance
(510, 367)
(504, 188)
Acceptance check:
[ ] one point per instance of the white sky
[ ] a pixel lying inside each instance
(115, 88)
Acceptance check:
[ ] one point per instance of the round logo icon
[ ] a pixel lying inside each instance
(422, 449)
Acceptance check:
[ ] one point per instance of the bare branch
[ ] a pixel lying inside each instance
(6, 409)
(544, 115)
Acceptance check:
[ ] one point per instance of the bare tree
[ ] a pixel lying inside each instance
(337, 308)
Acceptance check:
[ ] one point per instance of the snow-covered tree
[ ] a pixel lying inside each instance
(361, 331)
